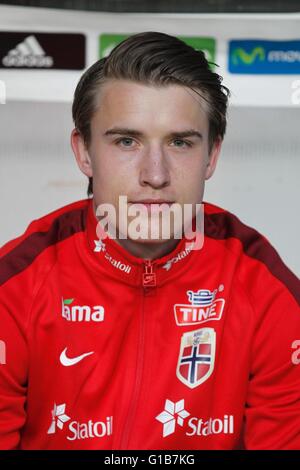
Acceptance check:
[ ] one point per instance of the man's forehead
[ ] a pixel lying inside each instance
(121, 102)
(129, 91)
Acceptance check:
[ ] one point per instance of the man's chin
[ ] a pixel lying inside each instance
(154, 238)
(150, 241)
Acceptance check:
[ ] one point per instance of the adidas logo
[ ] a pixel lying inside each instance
(28, 53)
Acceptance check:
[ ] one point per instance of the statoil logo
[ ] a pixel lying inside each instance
(175, 414)
(79, 430)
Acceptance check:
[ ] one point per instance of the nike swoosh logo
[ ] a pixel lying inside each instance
(67, 361)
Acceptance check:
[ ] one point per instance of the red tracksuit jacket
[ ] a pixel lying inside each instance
(103, 350)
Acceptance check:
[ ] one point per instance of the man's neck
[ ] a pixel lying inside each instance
(145, 250)
(148, 250)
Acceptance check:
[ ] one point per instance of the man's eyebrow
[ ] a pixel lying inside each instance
(136, 133)
(123, 131)
(187, 133)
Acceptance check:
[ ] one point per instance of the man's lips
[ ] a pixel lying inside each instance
(154, 204)
(152, 201)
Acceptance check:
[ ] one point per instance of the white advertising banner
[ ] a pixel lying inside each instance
(43, 52)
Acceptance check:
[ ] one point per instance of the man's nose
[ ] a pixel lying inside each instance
(154, 169)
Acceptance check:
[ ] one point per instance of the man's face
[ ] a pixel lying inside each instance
(138, 147)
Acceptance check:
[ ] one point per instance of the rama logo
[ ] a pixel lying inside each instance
(79, 313)
(59, 418)
(172, 414)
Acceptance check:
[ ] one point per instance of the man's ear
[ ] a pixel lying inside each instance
(213, 158)
(81, 153)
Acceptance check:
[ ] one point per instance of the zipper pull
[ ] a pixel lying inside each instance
(149, 276)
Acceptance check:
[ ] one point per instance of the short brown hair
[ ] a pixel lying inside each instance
(152, 58)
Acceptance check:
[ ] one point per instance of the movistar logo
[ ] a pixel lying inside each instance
(239, 55)
(260, 56)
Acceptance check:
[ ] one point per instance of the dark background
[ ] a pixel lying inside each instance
(168, 6)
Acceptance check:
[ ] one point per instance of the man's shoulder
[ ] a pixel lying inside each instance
(43, 223)
(222, 224)
(234, 235)
(252, 252)
(68, 208)
(41, 234)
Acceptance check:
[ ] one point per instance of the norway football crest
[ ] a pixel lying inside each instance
(196, 357)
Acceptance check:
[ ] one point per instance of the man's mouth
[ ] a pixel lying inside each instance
(154, 205)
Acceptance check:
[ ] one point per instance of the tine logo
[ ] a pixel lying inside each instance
(67, 361)
(203, 307)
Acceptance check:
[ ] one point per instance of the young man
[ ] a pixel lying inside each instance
(117, 339)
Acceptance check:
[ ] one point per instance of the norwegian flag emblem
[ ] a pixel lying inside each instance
(196, 357)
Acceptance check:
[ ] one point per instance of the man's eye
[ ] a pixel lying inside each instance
(126, 141)
(182, 143)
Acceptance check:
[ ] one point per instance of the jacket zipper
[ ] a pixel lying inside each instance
(149, 276)
(148, 283)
